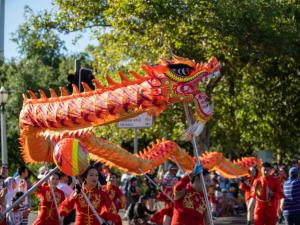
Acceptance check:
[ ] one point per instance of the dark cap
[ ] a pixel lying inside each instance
(173, 167)
(132, 179)
(293, 172)
(143, 197)
(267, 165)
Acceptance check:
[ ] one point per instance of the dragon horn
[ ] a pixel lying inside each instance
(163, 62)
(178, 59)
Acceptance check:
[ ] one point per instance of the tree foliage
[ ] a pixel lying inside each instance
(257, 100)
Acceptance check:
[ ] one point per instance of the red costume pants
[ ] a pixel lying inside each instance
(265, 213)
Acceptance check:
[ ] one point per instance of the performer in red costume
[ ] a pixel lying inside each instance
(245, 186)
(164, 216)
(99, 199)
(267, 191)
(48, 214)
(189, 206)
(115, 194)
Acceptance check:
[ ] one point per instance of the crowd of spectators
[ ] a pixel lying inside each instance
(143, 197)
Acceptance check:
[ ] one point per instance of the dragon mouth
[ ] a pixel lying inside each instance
(203, 77)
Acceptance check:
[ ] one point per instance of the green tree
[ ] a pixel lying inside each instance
(34, 42)
(257, 100)
(42, 65)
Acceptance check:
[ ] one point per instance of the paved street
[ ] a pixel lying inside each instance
(236, 220)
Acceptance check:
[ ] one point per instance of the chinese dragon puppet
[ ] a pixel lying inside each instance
(44, 121)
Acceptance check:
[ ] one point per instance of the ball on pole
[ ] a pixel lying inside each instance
(71, 157)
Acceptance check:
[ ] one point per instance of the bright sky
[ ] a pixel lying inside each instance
(14, 17)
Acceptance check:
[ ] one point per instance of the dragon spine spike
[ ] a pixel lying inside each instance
(124, 78)
(147, 68)
(98, 84)
(75, 89)
(25, 97)
(110, 81)
(42, 94)
(136, 75)
(53, 93)
(86, 87)
(63, 91)
(32, 94)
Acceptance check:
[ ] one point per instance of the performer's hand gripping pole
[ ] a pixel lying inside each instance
(196, 155)
(156, 185)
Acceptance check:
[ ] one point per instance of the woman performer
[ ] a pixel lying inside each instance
(48, 214)
(114, 193)
(245, 186)
(99, 199)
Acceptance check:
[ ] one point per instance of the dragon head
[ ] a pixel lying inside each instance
(185, 76)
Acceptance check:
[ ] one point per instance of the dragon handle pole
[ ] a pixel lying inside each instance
(60, 221)
(196, 155)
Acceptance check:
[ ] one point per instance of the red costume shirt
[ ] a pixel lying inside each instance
(168, 183)
(84, 214)
(116, 195)
(246, 187)
(47, 212)
(267, 191)
(190, 209)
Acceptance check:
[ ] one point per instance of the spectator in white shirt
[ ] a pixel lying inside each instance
(64, 185)
(22, 187)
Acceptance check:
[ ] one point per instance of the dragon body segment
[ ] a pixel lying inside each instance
(46, 120)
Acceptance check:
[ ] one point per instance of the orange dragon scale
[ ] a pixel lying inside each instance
(46, 120)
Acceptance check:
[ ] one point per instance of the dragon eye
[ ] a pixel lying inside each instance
(181, 70)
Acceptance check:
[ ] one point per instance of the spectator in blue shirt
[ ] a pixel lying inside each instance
(290, 206)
